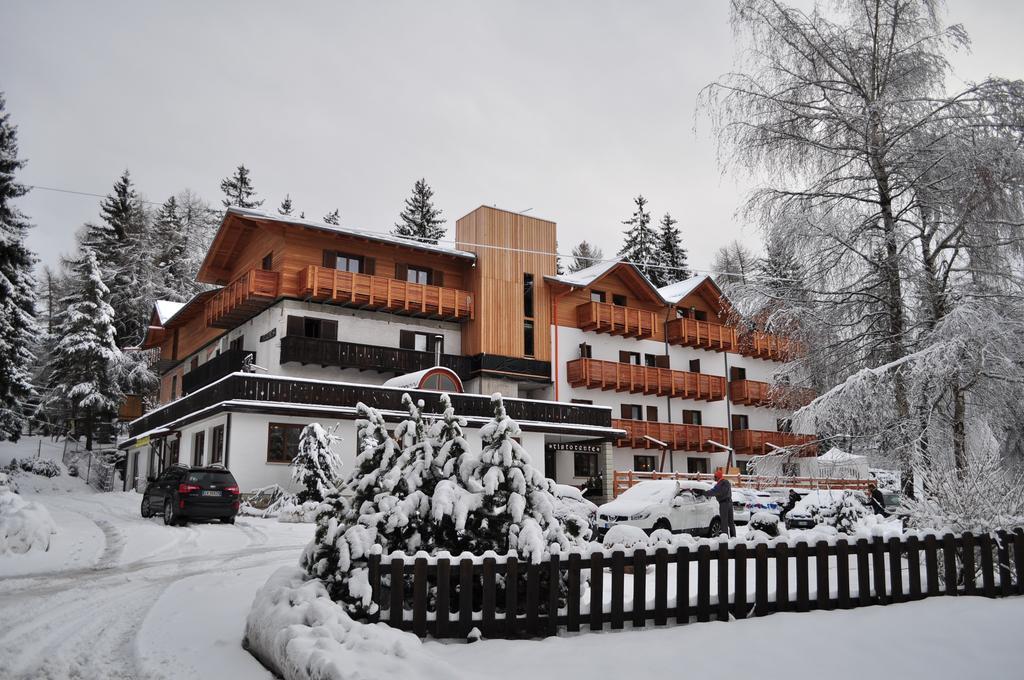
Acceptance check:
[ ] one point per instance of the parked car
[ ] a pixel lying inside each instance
(182, 493)
(748, 502)
(662, 504)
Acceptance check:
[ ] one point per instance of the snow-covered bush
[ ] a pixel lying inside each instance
(295, 629)
(43, 467)
(848, 514)
(298, 513)
(316, 467)
(629, 537)
(265, 501)
(764, 521)
(24, 525)
(8, 482)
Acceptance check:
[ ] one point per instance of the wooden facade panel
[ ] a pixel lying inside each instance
(521, 244)
(611, 285)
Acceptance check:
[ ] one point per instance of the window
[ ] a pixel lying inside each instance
(174, 387)
(283, 442)
(348, 263)
(198, 448)
(597, 296)
(644, 463)
(629, 358)
(740, 422)
(528, 295)
(586, 351)
(696, 465)
(700, 315)
(583, 401)
(784, 425)
(694, 365)
(737, 373)
(619, 300)
(417, 275)
(632, 412)
(744, 466)
(173, 445)
(691, 417)
(440, 382)
(584, 465)
(217, 445)
(268, 262)
(421, 342)
(311, 328)
(650, 360)
(682, 313)
(652, 414)
(237, 343)
(528, 338)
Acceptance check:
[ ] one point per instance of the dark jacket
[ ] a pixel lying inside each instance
(721, 491)
(876, 501)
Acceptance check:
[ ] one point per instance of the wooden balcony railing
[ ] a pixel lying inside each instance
(664, 382)
(243, 298)
(701, 334)
(216, 368)
(766, 346)
(379, 292)
(322, 352)
(750, 392)
(678, 436)
(748, 442)
(602, 317)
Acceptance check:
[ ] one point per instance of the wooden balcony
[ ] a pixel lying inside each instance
(664, 382)
(750, 392)
(678, 436)
(381, 293)
(766, 346)
(225, 363)
(321, 352)
(602, 317)
(702, 335)
(746, 442)
(243, 298)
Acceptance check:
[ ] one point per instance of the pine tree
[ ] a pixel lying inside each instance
(672, 256)
(641, 242)
(170, 263)
(86, 364)
(17, 289)
(238, 190)
(585, 255)
(286, 205)
(420, 219)
(333, 217)
(316, 468)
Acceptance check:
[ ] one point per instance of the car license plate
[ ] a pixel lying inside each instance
(606, 525)
(211, 493)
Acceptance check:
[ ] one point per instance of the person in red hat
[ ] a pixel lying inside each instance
(722, 490)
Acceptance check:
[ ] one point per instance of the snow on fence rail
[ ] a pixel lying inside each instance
(716, 582)
(624, 479)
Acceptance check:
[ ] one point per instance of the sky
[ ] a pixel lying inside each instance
(567, 110)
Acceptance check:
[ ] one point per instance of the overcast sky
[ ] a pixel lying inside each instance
(568, 109)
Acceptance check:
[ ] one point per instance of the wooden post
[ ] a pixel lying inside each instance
(822, 585)
(703, 583)
(419, 597)
(723, 581)
(1005, 579)
(970, 578)
(896, 570)
(465, 596)
(661, 587)
(781, 577)
(489, 594)
(802, 582)
(572, 624)
(554, 580)
(740, 581)
(596, 591)
(949, 564)
(878, 569)
(931, 564)
(512, 596)
(761, 579)
(532, 598)
(396, 614)
(988, 576)
(618, 597)
(373, 572)
(863, 573)
(444, 602)
(843, 574)
(914, 568)
(683, 585)
(639, 588)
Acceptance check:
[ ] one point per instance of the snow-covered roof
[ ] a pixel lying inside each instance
(361, 233)
(837, 455)
(165, 309)
(585, 277)
(674, 292)
(412, 381)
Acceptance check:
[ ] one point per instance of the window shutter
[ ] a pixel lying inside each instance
(370, 265)
(407, 339)
(626, 412)
(585, 351)
(330, 259)
(401, 271)
(432, 342)
(437, 277)
(329, 329)
(661, 361)
(652, 413)
(623, 357)
(296, 325)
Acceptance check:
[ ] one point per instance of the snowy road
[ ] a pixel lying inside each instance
(119, 596)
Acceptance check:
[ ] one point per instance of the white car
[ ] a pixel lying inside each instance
(663, 504)
(748, 502)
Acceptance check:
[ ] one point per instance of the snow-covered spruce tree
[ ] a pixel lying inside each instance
(286, 206)
(451, 501)
(333, 217)
(316, 467)
(86, 364)
(420, 219)
(584, 255)
(640, 242)
(672, 256)
(849, 513)
(238, 190)
(516, 509)
(17, 289)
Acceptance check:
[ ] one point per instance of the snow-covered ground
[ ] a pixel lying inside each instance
(117, 596)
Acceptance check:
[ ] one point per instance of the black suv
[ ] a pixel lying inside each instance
(182, 493)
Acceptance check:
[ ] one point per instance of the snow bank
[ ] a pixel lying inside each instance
(304, 513)
(296, 630)
(24, 525)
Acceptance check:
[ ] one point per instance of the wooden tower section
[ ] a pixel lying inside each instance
(508, 246)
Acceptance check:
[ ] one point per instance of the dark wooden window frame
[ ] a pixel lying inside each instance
(645, 463)
(198, 447)
(217, 453)
(584, 465)
(287, 427)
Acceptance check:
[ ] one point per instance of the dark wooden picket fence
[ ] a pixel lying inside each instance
(718, 582)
